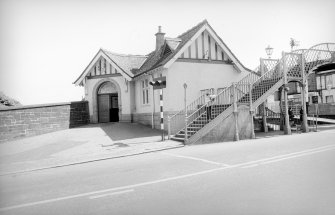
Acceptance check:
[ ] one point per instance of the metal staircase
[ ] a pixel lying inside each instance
(252, 90)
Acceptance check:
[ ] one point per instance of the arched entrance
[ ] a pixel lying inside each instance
(108, 102)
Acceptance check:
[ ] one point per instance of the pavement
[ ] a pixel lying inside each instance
(88, 144)
(84, 144)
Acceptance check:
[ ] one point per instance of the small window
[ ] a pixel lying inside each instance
(329, 99)
(329, 81)
(318, 82)
(323, 82)
(145, 91)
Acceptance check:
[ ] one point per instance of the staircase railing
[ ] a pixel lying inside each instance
(177, 121)
(226, 98)
(272, 78)
(198, 107)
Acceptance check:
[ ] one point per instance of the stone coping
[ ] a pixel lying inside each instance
(40, 105)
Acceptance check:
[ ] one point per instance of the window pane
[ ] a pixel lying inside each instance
(147, 96)
(143, 97)
(323, 82)
(329, 80)
(318, 86)
(329, 99)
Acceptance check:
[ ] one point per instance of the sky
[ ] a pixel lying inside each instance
(46, 44)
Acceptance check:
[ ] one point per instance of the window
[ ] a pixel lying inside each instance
(318, 82)
(145, 91)
(323, 82)
(329, 99)
(329, 81)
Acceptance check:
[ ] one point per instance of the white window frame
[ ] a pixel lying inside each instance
(145, 99)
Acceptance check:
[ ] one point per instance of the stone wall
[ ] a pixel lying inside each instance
(18, 122)
(225, 130)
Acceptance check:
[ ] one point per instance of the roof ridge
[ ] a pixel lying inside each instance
(194, 27)
(123, 55)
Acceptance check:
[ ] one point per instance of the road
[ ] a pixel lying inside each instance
(281, 175)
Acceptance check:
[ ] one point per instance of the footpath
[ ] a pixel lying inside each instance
(88, 144)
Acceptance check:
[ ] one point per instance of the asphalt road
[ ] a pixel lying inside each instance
(282, 175)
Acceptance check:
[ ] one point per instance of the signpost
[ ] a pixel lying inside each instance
(159, 84)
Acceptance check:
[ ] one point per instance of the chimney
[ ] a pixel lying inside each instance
(159, 38)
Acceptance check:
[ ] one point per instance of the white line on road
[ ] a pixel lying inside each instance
(299, 155)
(194, 158)
(250, 163)
(249, 166)
(111, 194)
(284, 157)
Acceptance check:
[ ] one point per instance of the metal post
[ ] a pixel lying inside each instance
(251, 112)
(304, 125)
(169, 127)
(236, 134)
(162, 113)
(287, 127)
(265, 127)
(317, 116)
(185, 108)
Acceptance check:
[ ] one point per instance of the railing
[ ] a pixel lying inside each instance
(251, 86)
(177, 121)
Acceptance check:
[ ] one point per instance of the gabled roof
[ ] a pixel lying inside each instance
(135, 65)
(155, 58)
(127, 64)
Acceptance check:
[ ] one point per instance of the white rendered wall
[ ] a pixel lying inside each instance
(197, 76)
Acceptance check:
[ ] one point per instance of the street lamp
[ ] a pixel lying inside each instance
(185, 106)
(269, 51)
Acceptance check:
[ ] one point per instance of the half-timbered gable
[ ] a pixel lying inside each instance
(206, 48)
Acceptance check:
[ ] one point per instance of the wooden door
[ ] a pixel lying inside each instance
(114, 108)
(104, 108)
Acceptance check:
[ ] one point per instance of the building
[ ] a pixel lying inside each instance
(117, 86)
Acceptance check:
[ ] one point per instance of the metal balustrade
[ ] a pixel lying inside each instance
(251, 86)
(177, 121)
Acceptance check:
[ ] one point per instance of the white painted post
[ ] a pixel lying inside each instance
(162, 113)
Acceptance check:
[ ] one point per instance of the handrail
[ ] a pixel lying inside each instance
(273, 74)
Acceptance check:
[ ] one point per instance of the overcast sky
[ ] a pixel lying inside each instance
(46, 44)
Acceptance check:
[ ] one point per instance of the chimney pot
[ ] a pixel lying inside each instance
(159, 38)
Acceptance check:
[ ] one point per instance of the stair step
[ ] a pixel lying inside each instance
(178, 139)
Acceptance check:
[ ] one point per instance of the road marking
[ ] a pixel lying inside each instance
(246, 164)
(111, 194)
(284, 157)
(195, 158)
(249, 166)
(111, 189)
(299, 155)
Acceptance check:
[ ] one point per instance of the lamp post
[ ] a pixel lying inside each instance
(185, 107)
(269, 51)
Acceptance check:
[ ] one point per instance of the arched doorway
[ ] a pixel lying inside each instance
(108, 103)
